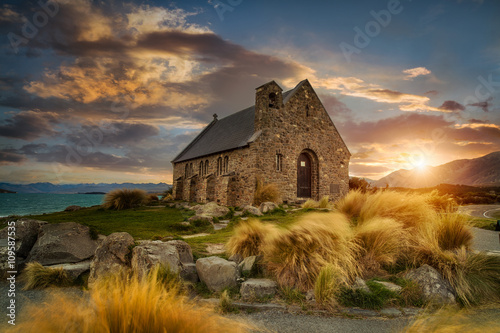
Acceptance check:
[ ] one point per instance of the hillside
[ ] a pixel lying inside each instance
(481, 171)
(81, 188)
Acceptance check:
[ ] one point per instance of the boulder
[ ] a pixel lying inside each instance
(25, 235)
(258, 288)
(151, 253)
(72, 208)
(237, 258)
(184, 250)
(62, 243)
(217, 273)
(434, 287)
(74, 270)
(211, 209)
(189, 273)
(112, 255)
(238, 213)
(251, 210)
(268, 206)
(359, 283)
(201, 217)
(249, 265)
(391, 286)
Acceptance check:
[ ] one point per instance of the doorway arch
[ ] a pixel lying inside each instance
(307, 175)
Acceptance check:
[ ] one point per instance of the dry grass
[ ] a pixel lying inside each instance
(441, 202)
(168, 197)
(327, 286)
(453, 231)
(295, 256)
(249, 237)
(265, 193)
(37, 276)
(125, 304)
(324, 202)
(351, 204)
(120, 199)
(310, 203)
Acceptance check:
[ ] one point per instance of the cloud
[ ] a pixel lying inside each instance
(412, 73)
(431, 92)
(29, 125)
(452, 106)
(9, 157)
(483, 105)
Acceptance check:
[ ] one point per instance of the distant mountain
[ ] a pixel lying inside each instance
(81, 188)
(5, 191)
(479, 171)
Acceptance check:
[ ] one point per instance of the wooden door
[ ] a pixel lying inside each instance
(304, 176)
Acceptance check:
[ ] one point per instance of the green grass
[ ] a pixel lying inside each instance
(378, 298)
(141, 222)
(487, 224)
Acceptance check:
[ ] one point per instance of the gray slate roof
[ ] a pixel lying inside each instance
(231, 132)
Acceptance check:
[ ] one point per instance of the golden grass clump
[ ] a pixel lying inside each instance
(327, 285)
(453, 231)
(441, 202)
(249, 237)
(168, 197)
(125, 304)
(38, 276)
(382, 242)
(120, 199)
(351, 204)
(265, 193)
(310, 203)
(324, 202)
(295, 256)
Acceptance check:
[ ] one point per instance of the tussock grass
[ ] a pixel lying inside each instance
(225, 302)
(295, 256)
(125, 304)
(37, 276)
(441, 202)
(120, 199)
(351, 204)
(249, 237)
(327, 285)
(324, 202)
(168, 197)
(265, 192)
(310, 203)
(453, 231)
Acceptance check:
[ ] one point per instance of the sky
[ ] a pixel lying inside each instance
(109, 91)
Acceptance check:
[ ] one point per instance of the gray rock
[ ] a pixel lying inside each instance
(391, 286)
(74, 270)
(62, 243)
(238, 213)
(184, 250)
(249, 265)
(26, 234)
(258, 288)
(268, 206)
(112, 255)
(151, 253)
(189, 273)
(434, 287)
(360, 312)
(217, 273)
(391, 312)
(72, 208)
(252, 210)
(359, 283)
(237, 258)
(211, 209)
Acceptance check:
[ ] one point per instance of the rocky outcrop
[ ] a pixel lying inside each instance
(112, 255)
(258, 288)
(211, 209)
(267, 207)
(434, 287)
(25, 235)
(251, 210)
(62, 243)
(151, 253)
(217, 273)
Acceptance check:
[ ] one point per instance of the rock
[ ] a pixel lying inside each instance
(202, 217)
(217, 273)
(152, 253)
(237, 258)
(186, 223)
(217, 248)
(252, 210)
(112, 255)
(62, 243)
(72, 208)
(26, 234)
(189, 273)
(258, 288)
(268, 206)
(184, 251)
(211, 209)
(391, 312)
(238, 213)
(360, 312)
(391, 286)
(359, 283)
(74, 270)
(434, 287)
(310, 296)
(249, 265)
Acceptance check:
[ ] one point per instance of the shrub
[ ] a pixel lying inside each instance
(377, 298)
(38, 276)
(327, 285)
(125, 304)
(124, 199)
(453, 231)
(351, 204)
(249, 237)
(296, 256)
(265, 193)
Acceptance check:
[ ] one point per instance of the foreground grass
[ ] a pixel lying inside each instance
(482, 223)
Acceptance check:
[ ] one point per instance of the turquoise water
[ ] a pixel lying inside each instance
(39, 203)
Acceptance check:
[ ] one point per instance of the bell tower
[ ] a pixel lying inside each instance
(268, 100)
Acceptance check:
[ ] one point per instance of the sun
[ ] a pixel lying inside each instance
(420, 164)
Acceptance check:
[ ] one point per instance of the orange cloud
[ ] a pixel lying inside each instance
(412, 73)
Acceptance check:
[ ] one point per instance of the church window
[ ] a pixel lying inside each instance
(272, 100)
(206, 167)
(186, 171)
(200, 172)
(279, 162)
(219, 166)
(226, 164)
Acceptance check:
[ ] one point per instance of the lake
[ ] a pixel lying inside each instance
(39, 203)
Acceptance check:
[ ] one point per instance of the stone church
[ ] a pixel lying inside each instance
(286, 138)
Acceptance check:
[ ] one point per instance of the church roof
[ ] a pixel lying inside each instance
(232, 132)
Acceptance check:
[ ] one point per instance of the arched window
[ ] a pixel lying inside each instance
(206, 167)
(201, 169)
(226, 164)
(219, 166)
(272, 100)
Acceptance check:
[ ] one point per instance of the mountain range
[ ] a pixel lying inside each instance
(81, 188)
(481, 171)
